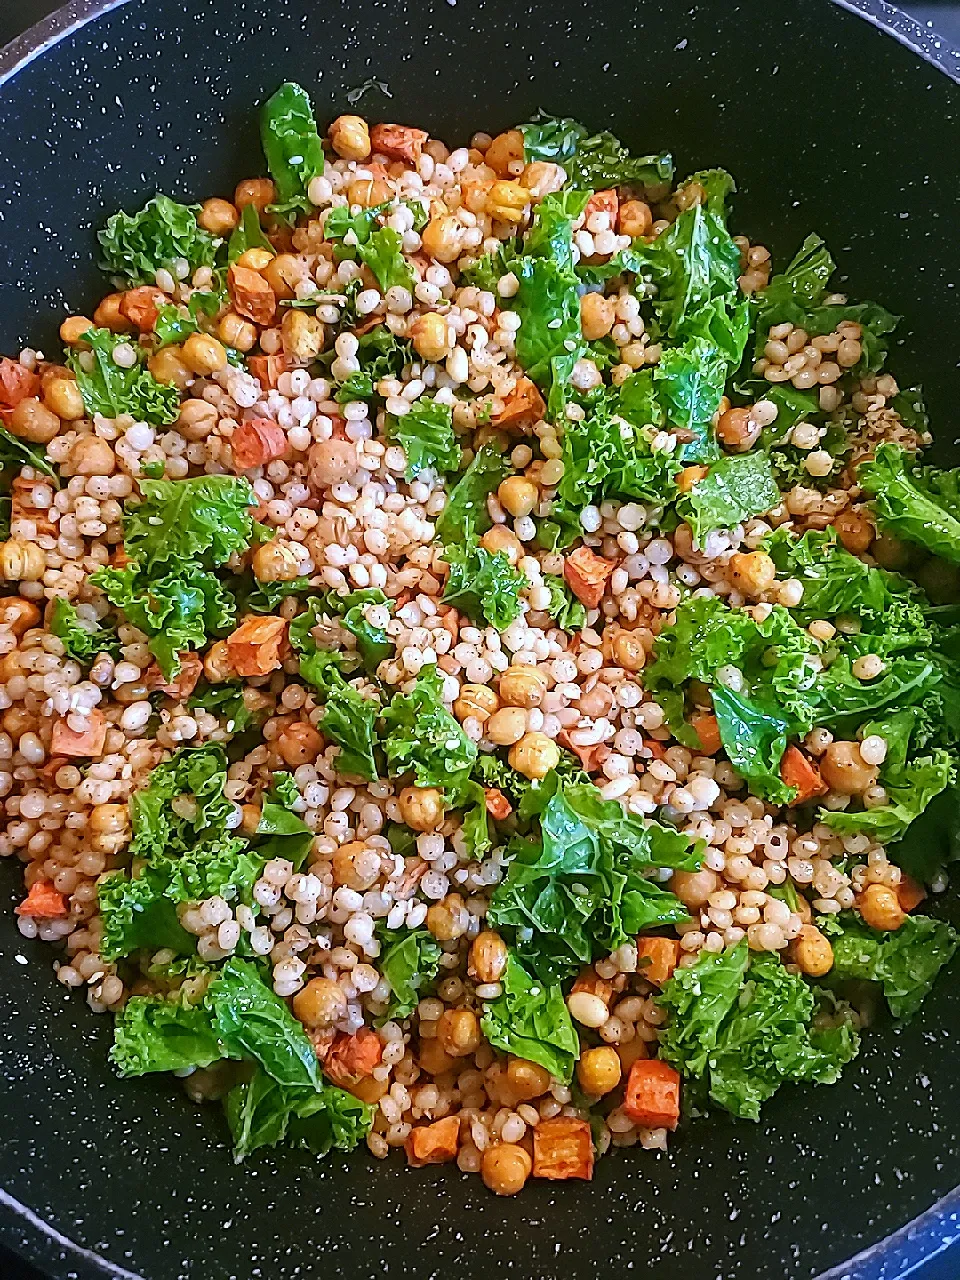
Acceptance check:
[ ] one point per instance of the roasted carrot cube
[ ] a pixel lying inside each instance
(603, 202)
(353, 1057)
(591, 757)
(398, 141)
(267, 370)
(141, 306)
(183, 683)
(589, 980)
(256, 443)
(652, 1098)
(586, 574)
(498, 806)
(522, 405)
(254, 648)
(658, 958)
(797, 771)
(16, 383)
(87, 742)
(690, 477)
(705, 726)
(563, 1148)
(43, 901)
(251, 295)
(435, 1143)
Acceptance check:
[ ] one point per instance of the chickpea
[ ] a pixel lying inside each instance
(275, 562)
(89, 456)
(72, 330)
(30, 420)
(504, 151)
(518, 495)
(356, 865)
(737, 430)
(18, 615)
(421, 808)
(507, 202)
(434, 1059)
(488, 957)
(693, 888)
(255, 259)
(256, 191)
(430, 337)
(597, 315)
(219, 217)
(844, 769)
(527, 1079)
(236, 332)
(62, 397)
(540, 178)
(635, 219)
(17, 721)
(458, 1032)
(505, 1168)
(690, 477)
(167, 366)
(109, 819)
(812, 952)
(534, 755)
(476, 700)
(628, 651)
(854, 530)
(522, 687)
(506, 726)
(321, 1003)
(135, 691)
(368, 192)
(880, 908)
(249, 818)
(500, 538)
(299, 743)
(370, 1089)
(109, 314)
(632, 1052)
(331, 462)
(303, 335)
(447, 920)
(217, 666)
(599, 1070)
(197, 419)
(752, 572)
(442, 238)
(283, 273)
(21, 561)
(350, 137)
(203, 354)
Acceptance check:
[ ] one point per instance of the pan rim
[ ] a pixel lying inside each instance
(896, 1256)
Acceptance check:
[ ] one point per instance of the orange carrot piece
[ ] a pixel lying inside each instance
(257, 442)
(591, 757)
(88, 742)
(142, 306)
(603, 202)
(652, 1098)
(498, 806)
(254, 648)
(435, 1143)
(522, 405)
(183, 683)
(267, 370)
(910, 893)
(16, 383)
(42, 900)
(589, 980)
(563, 1148)
(353, 1057)
(251, 295)
(797, 771)
(661, 956)
(586, 574)
(704, 725)
(398, 141)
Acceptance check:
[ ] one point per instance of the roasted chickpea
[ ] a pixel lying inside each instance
(368, 192)
(421, 808)
(599, 1070)
(442, 238)
(31, 420)
(217, 666)
(880, 908)
(433, 1058)
(331, 462)
(812, 952)
(350, 137)
(109, 819)
(844, 770)
(249, 818)
(255, 259)
(458, 1032)
(505, 154)
(356, 866)
(527, 1079)
(534, 755)
(737, 430)
(505, 1168)
(135, 691)
(62, 397)
(256, 191)
(167, 365)
(518, 496)
(628, 651)
(18, 615)
(488, 957)
(522, 687)
(236, 332)
(21, 561)
(500, 538)
(752, 572)
(430, 337)
(275, 562)
(541, 177)
(283, 273)
(321, 1003)
(506, 726)
(854, 530)
(219, 217)
(203, 354)
(197, 419)
(447, 920)
(89, 456)
(303, 336)
(693, 888)
(508, 202)
(299, 744)
(72, 330)
(476, 700)
(109, 314)
(597, 315)
(634, 219)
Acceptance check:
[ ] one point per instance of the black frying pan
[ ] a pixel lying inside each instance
(829, 124)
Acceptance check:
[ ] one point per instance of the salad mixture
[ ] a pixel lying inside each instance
(475, 643)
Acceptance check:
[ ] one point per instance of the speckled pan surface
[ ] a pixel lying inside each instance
(828, 123)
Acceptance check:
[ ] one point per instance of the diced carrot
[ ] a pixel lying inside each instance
(256, 443)
(42, 900)
(267, 370)
(797, 771)
(586, 574)
(435, 1143)
(591, 757)
(89, 742)
(183, 683)
(909, 892)
(254, 648)
(522, 405)
(16, 383)
(705, 726)
(398, 141)
(589, 980)
(652, 1098)
(498, 806)
(353, 1057)
(690, 477)
(251, 295)
(658, 958)
(657, 750)
(603, 202)
(563, 1148)
(142, 306)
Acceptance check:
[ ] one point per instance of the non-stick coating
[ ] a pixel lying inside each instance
(827, 124)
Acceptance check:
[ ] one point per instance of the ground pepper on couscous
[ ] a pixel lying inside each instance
(474, 639)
